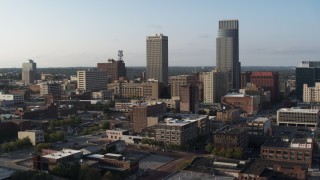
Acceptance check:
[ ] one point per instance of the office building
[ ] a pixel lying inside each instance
(189, 99)
(157, 57)
(260, 126)
(229, 116)
(227, 59)
(103, 95)
(298, 117)
(92, 80)
(29, 72)
(51, 88)
(268, 81)
(16, 99)
(145, 115)
(214, 86)
(311, 94)
(114, 68)
(181, 80)
(308, 72)
(288, 150)
(35, 136)
(245, 79)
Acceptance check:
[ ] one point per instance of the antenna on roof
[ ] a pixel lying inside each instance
(120, 55)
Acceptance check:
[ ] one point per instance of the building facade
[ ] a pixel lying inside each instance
(92, 80)
(307, 73)
(288, 150)
(311, 94)
(214, 86)
(181, 80)
(247, 104)
(29, 72)
(189, 99)
(269, 81)
(229, 116)
(114, 68)
(51, 88)
(15, 98)
(298, 117)
(157, 57)
(230, 138)
(228, 52)
(35, 136)
(260, 126)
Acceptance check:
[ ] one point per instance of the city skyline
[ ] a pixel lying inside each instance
(79, 33)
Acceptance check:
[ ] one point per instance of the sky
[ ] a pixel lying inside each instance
(60, 33)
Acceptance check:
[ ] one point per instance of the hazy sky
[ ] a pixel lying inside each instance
(60, 33)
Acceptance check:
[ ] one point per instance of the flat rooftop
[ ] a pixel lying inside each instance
(61, 154)
(260, 119)
(288, 143)
(298, 110)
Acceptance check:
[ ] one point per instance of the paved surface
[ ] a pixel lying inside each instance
(153, 162)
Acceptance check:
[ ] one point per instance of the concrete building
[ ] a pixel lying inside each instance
(115, 69)
(145, 115)
(248, 104)
(103, 95)
(29, 72)
(49, 161)
(214, 86)
(181, 80)
(92, 80)
(308, 72)
(229, 116)
(311, 94)
(268, 81)
(115, 162)
(260, 126)
(298, 117)
(227, 59)
(35, 136)
(189, 99)
(149, 90)
(174, 131)
(288, 150)
(51, 88)
(116, 134)
(15, 98)
(230, 138)
(173, 105)
(157, 57)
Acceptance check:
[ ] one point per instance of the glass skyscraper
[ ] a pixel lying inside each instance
(227, 59)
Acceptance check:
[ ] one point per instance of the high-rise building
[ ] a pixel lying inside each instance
(157, 57)
(189, 99)
(227, 59)
(115, 69)
(307, 73)
(92, 80)
(214, 86)
(311, 94)
(29, 72)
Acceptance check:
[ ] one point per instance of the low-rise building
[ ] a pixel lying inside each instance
(115, 162)
(103, 95)
(230, 138)
(260, 126)
(35, 136)
(298, 117)
(116, 134)
(16, 98)
(48, 161)
(229, 116)
(288, 150)
(245, 103)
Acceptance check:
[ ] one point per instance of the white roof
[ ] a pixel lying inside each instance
(296, 110)
(261, 119)
(61, 154)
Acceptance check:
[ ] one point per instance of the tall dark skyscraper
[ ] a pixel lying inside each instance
(307, 73)
(157, 57)
(227, 59)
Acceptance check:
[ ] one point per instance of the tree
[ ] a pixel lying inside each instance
(88, 173)
(104, 125)
(209, 147)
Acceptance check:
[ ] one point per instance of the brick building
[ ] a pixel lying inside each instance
(115, 69)
(230, 138)
(269, 81)
(189, 99)
(288, 150)
(245, 103)
(146, 115)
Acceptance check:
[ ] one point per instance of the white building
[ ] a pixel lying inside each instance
(298, 117)
(116, 134)
(35, 136)
(214, 86)
(16, 98)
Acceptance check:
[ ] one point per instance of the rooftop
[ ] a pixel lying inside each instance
(62, 154)
(298, 110)
(260, 119)
(236, 95)
(305, 143)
